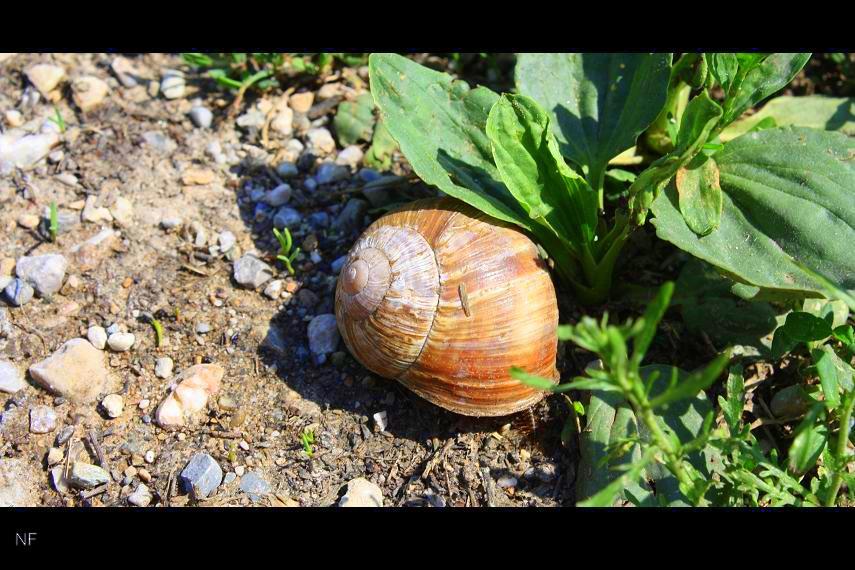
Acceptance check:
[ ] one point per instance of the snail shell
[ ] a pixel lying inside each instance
(445, 300)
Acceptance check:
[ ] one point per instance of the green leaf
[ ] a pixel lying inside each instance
(723, 67)
(439, 124)
(383, 146)
(599, 102)
(610, 493)
(846, 335)
(761, 80)
(354, 120)
(786, 191)
(708, 306)
(799, 327)
(527, 157)
(813, 111)
(689, 386)
(649, 322)
(701, 116)
(733, 406)
(809, 441)
(699, 195)
(825, 367)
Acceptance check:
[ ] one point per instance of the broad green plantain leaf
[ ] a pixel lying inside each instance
(527, 157)
(824, 359)
(354, 120)
(699, 195)
(439, 124)
(723, 67)
(814, 111)
(762, 79)
(809, 441)
(599, 102)
(786, 190)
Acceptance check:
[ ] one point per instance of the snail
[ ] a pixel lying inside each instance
(445, 300)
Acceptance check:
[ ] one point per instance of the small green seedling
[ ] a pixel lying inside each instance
(307, 438)
(158, 332)
(60, 122)
(54, 222)
(286, 256)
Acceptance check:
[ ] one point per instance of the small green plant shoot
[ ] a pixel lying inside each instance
(58, 120)
(307, 438)
(286, 256)
(54, 222)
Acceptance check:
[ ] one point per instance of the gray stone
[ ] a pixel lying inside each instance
(18, 292)
(26, 151)
(278, 196)
(286, 218)
(287, 170)
(254, 486)
(172, 86)
(202, 476)
(10, 378)
(42, 419)
(159, 142)
(323, 334)
(251, 272)
(274, 289)
(351, 216)
(163, 367)
(86, 476)
(251, 119)
(362, 493)
(141, 497)
(44, 272)
(227, 240)
(229, 478)
(369, 175)
(202, 117)
(328, 173)
(114, 328)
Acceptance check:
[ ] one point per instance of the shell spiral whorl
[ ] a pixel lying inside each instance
(401, 312)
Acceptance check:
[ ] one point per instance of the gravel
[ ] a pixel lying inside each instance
(141, 497)
(202, 117)
(362, 493)
(42, 419)
(18, 292)
(86, 476)
(121, 341)
(323, 334)
(163, 367)
(320, 141)
(97, 336)
(202, 476)
(278, 196)
(286, 218)
(113, 405)
(351, 216)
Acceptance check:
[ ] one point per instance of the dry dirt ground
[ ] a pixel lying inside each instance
(274, 388)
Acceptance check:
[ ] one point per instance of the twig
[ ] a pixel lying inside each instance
(222, 434)
(93, 492)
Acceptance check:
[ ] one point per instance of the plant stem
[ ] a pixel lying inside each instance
(842, 443)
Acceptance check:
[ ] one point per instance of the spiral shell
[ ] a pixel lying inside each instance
(445, 300)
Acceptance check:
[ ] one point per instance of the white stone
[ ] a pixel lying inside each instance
(26, 151)
(45, 77)
(88, 92)
(320, 141)
(381, 419)
(163, 367)
(10, 378)
(77, 371)
(120, 342)
(172, 87)
(195, 385)
(274, 289)
(94, 213)
(97, 336)
(114, 405)
(362, 493)
(350, 156)
(122, 211)
(141, 497)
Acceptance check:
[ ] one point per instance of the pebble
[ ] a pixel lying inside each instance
(286, 218)
(274, 289)
(203, 328)
(507, 482)
(172, 86)
(141, 497)
(125, 71)
(170, 223)
(229, 478)
(89, 92)
(42, 419)
(18, 292)
(64, 435)
(350, 156)
(323, 334)
(163, 367)
(89, 254)
(16, 483)
(251, 272)
(121, 342)
(57, 477)
(278, 196)
(337, 264)
(77, 371)
(149, 456)
(144, 403)
(251, 119)
(45, 77)
(320, 141)
(226, 240)
(201, 116)
(283, 121)
(28, 221)
(302, 102)
(202, 476)
(55, 455)
(159, 142)
(194, 386)
(114, 405)
(287, 170)
(382, 420)
(14, 118)
(362, 493)
(122, 211)
(328, 173)
(87, 476)
(55, 158)
(25, 151)
(97, 336)
(293, 149)
(10, 378)
(255, 486)
(790, 402)
(114, 328)
(351, 216)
